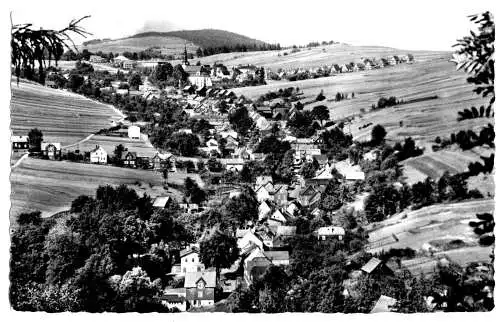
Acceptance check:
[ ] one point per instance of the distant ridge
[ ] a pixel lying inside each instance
(173, 42)
(205, 37)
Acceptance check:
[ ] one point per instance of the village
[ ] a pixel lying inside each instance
(276, 178)
(264, 242)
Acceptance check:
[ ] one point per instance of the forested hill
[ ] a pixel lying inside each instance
(206, 37)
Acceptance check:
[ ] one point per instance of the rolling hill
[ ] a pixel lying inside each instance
(172, 42)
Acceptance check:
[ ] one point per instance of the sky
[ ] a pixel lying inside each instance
(424, 24)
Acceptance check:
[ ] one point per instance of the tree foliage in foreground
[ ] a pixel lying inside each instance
(32, 47)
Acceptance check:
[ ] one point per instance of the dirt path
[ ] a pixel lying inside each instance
(19, 161)
(81, 141)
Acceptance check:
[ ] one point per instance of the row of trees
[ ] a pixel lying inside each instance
(473, 113)
(208, 51)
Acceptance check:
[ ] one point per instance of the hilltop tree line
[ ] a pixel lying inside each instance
(208, 51)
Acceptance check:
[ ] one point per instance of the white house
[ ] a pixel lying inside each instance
(249, 239)
(262, 194)
(98, 155)
(278, 217)
(190, 260)
(331, 232)
(134, 132)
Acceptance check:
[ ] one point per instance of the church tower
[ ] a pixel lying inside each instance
(186, 61)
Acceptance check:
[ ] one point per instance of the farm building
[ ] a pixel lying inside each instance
(328, 232)
(52, 150)
(383, 304)
(161, 202)
(98, 155)
(20, 143)
(134, 132)
(129, 64)
(97, 59)
(234, 164)
(376, 267)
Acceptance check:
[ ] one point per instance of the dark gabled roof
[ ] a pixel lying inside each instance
(192, 278)
(133, 154)
(173, 298)
(186, 252)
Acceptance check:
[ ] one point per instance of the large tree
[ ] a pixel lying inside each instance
(31, 48)
(35, 139)
(219, 250)
(475, 54)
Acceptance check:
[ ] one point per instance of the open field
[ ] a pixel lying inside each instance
(434, 164)
(51, 186)
(109, 143)
(438, 226)
(61, 116)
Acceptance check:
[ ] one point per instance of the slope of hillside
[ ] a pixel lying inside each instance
(206, 37)
(61, 116)
(311, 57)
(444, 228)
(172, 42)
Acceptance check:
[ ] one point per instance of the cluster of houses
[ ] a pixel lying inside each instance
(330, 70)
(261, 244)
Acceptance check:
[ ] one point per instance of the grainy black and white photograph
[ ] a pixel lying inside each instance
(250, 157)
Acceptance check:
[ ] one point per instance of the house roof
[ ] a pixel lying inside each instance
(161, 202)
(57, 145)
(325, 174)
(163, 156)
(383, 304)
(133, 154)
(277, 255)
(192, 278)
(286, 230)
(331, 231)
(260, 180)
(98, 147)
(186, 252)
(350, 172)
(19, 139)
(173, 298)
(372, 264)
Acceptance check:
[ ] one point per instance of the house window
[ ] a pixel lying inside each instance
(198, 269)
(200, 294)
(185, 260)
(192, 260)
